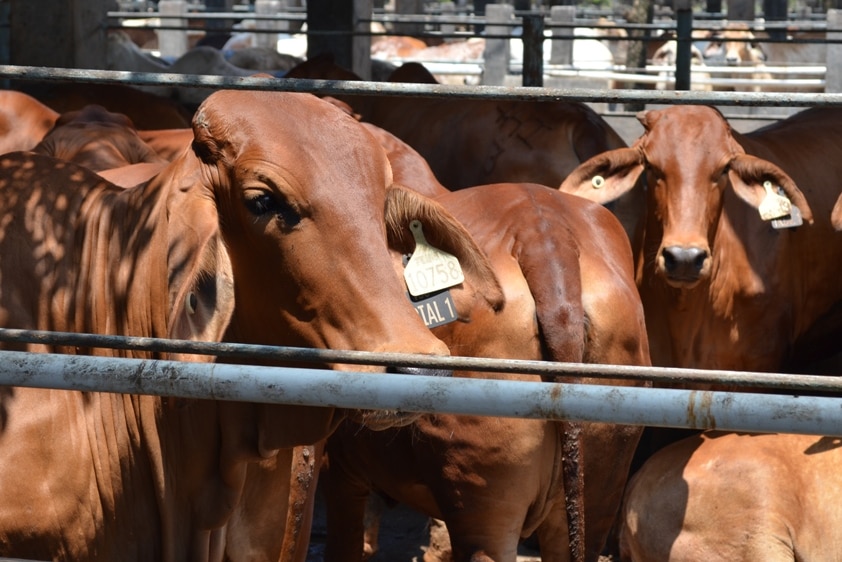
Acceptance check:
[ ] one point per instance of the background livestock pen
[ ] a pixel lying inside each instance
(528, 53)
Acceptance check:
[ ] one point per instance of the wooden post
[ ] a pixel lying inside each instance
(497, 50)
(833, 76)
(341, 28)
(684, 38)
(409, 8)
(172, 43)
(562, 49)
(533, 50)
(741, 10)
(60, 33)
(269, 8)
(448, 10)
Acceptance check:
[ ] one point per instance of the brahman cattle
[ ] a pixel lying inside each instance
(23, 121)
(147, 111)
(97, 139)
(274, 229)
(476, 142)
(566, 271)
(721, 497)
(729, 276)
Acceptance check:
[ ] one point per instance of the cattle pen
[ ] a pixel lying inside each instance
(668, 397)
(793, 411)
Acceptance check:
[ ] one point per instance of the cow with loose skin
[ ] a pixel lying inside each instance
(97, 139)
(727, 279)
(567, 275)
(721, 497)
(23, 121)
(275, 228)
(476, 142)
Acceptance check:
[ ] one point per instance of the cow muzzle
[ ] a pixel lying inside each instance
(684, 266)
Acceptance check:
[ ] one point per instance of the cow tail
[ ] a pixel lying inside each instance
(574, 488)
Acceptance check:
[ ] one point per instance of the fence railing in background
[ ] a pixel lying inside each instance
(547, 48)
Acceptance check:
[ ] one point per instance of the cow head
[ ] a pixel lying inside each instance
(735, 45)
(97, 139)
(690, 158)
(289, 197)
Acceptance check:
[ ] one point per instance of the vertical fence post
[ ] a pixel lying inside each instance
(533, 50)
(269, 8)
(833, 74)
(497, 49)
(448, 10)
(172, 43)
(561, 51)
(684, 38)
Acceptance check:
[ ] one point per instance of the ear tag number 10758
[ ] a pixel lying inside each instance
(430, 269)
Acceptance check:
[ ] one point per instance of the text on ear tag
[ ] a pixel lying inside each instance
(791, 221)
(430, 269)
(773, 206)
(435, 310)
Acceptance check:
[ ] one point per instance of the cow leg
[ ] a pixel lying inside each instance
(553, 539)
(485, 534)
(346, 499)
(373, 512)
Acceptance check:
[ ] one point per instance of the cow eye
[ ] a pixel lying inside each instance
(261, 203)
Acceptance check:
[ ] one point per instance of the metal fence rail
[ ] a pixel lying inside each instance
(339, 87)
(726, 411)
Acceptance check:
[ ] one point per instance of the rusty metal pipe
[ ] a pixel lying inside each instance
(314, 387)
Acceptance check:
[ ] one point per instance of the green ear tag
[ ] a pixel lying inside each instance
(430, 269)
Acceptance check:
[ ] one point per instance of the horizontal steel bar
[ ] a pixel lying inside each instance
(339, 87)
(416, 393)
(660, 375)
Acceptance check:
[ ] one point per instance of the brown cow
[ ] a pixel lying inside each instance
(97, 139)
(721, 497)
(475, 142)
(271, 230)
(735, 46)
(23, 121)
(567, 277)
(721, 287)
(147, 111)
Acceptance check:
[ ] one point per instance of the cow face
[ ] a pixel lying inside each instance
(735, 45)
(690, 159)
(298, 190)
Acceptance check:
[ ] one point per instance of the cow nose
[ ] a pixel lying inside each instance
(419, 371)
(683, 263)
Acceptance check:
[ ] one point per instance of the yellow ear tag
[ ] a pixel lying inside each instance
(597, 182)
(430, 269)
(773, 206)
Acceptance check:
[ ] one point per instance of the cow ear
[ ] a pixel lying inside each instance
(445, 233)
(606, 176)
(747, 174)
(200, 276)
(836, 214)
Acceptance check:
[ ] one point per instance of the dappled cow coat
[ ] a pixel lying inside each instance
(271, 230)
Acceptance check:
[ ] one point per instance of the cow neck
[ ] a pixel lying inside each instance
(120, 263)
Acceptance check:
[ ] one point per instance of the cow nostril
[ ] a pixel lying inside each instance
(419, 371)
(684, 263)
